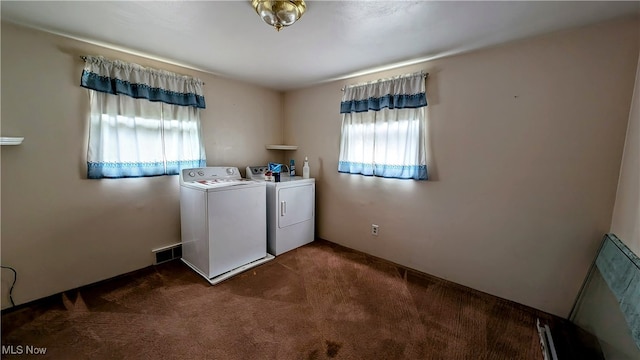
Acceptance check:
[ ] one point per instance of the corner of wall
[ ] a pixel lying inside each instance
(625, 220)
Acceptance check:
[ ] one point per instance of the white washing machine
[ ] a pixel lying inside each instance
(223, 222)
(290, 210)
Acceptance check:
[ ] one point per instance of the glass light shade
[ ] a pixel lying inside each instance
(279, 13)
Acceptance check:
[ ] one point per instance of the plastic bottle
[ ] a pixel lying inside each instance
(305, 168)
(292, 168)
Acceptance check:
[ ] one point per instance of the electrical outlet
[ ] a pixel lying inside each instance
(374, 229)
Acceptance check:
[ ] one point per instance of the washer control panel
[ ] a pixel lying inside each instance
(210, 173)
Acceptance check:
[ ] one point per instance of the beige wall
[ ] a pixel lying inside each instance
(526, 141)
(60, 230)
(626, 213)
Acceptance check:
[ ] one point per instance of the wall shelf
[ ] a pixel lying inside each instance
(282, 147)
(11, 140)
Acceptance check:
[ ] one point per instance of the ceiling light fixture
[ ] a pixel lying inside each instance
(279, 13)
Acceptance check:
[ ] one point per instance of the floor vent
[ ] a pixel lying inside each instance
(167, 253)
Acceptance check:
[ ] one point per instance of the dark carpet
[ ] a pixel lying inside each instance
(321, 301)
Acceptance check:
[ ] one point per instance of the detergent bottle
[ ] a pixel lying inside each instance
(305, 168)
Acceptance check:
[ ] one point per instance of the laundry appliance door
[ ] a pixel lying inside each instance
(296, 204)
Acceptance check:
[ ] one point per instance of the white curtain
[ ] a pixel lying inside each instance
(384, 127)
(143, 122)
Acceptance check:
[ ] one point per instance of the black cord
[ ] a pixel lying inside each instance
(15, 277)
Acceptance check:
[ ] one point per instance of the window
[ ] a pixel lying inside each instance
(383, 128)
(143, 122)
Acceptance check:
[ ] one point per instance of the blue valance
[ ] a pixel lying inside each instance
(401, 92)
(620, 268)
(400, 101)
(117, 77)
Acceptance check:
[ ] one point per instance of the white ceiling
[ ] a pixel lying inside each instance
(333, 40)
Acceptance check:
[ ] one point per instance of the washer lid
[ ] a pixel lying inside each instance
(210, 184)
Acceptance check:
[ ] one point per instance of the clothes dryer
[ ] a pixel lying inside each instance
(290, 210)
